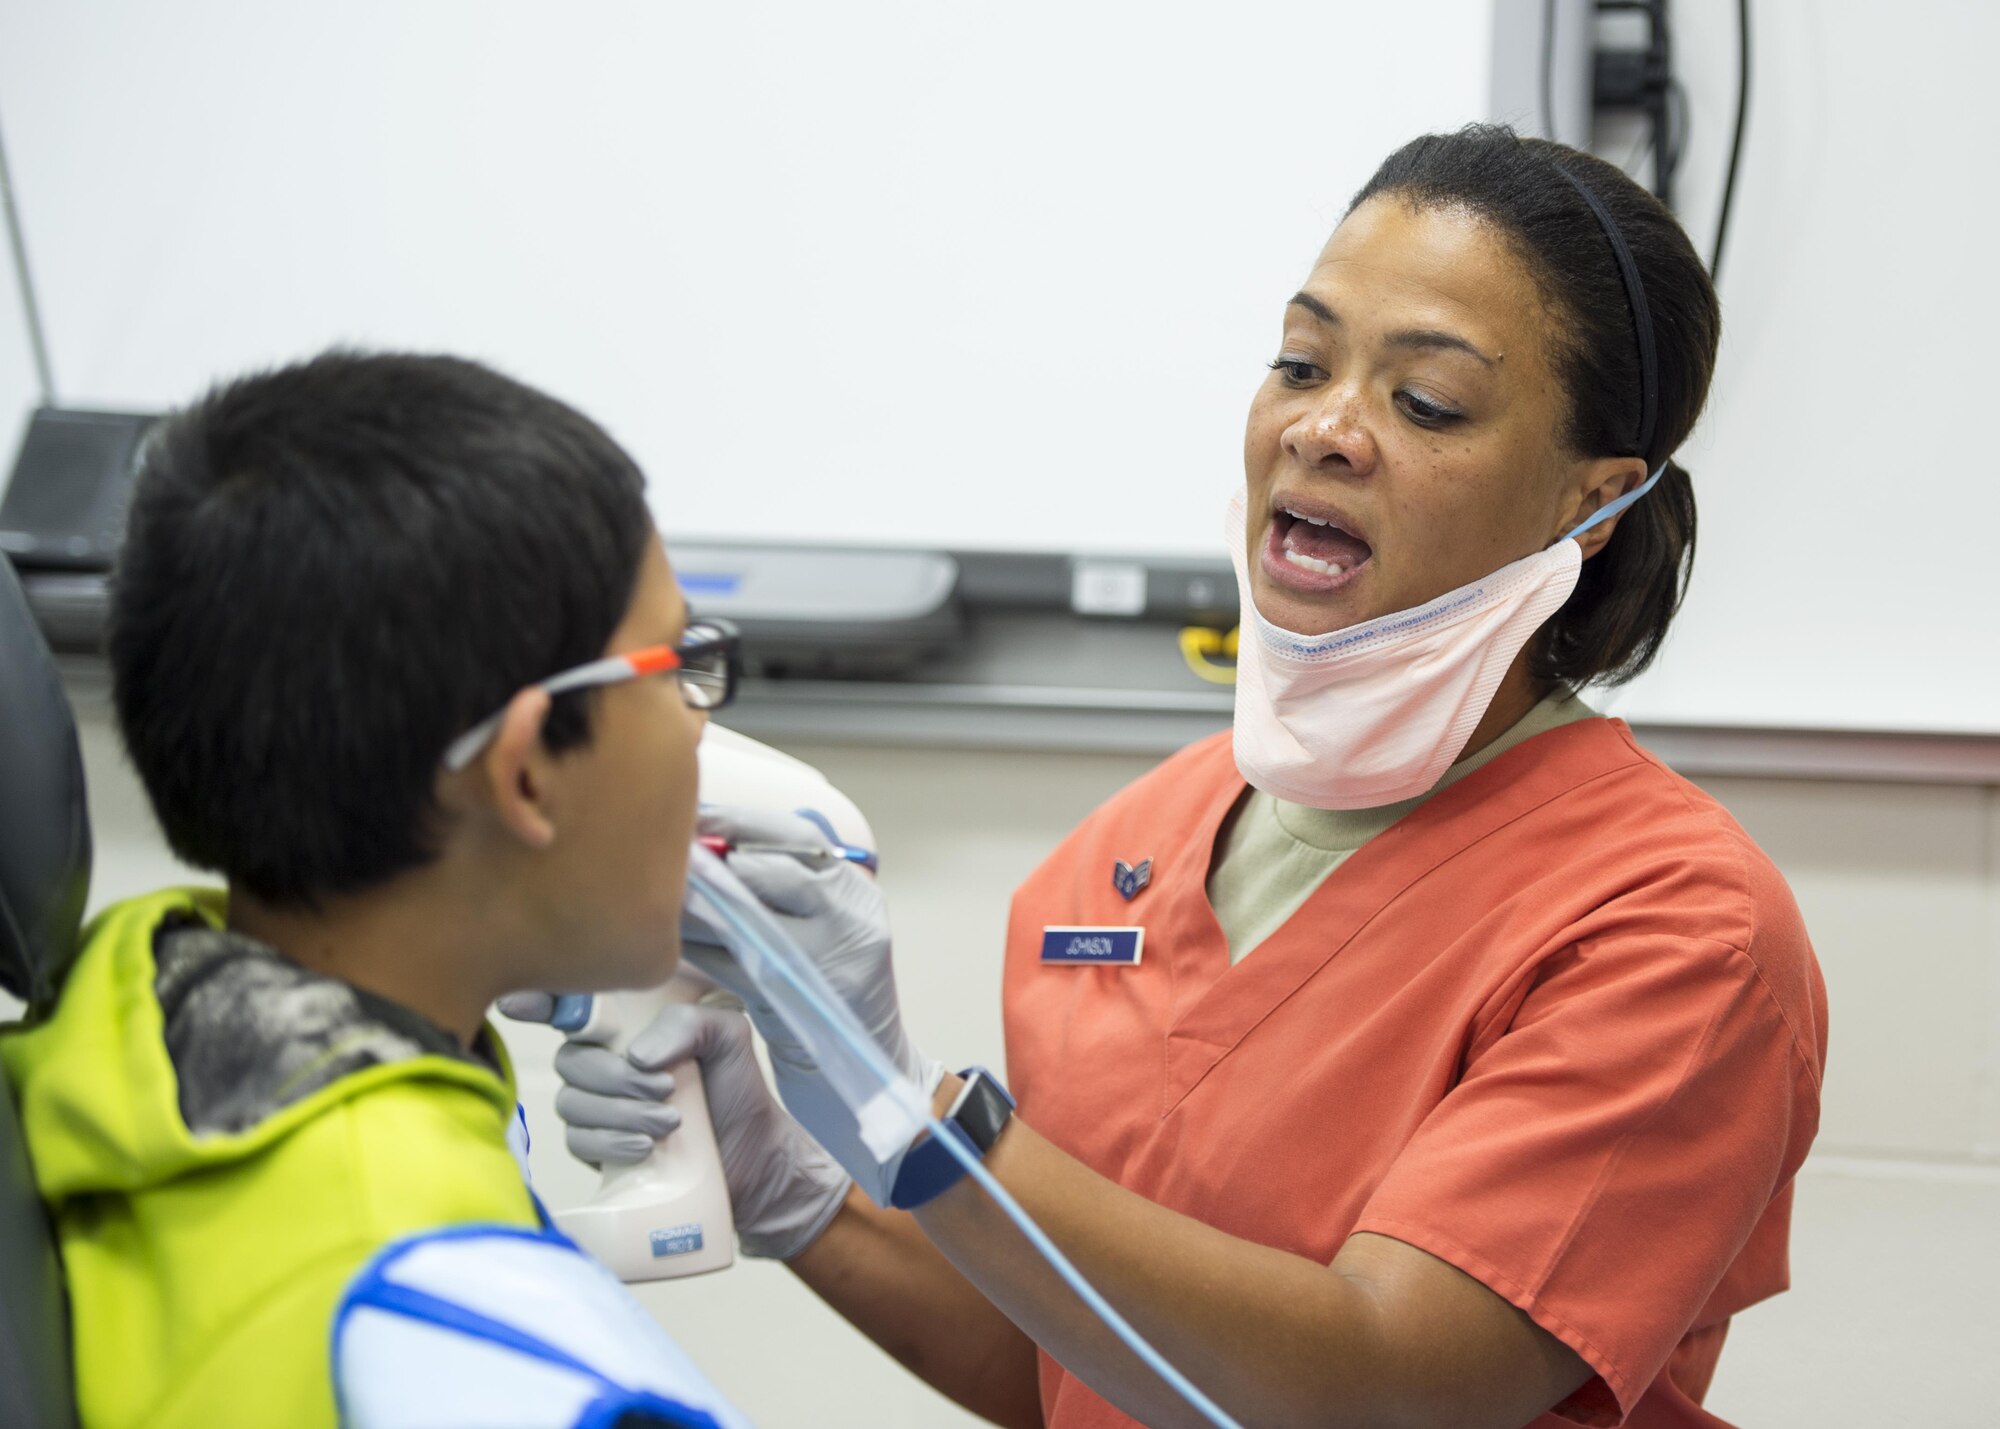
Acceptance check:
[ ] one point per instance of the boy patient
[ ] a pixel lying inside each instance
(334, 571)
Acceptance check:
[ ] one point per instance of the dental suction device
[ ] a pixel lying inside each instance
(669, 1216)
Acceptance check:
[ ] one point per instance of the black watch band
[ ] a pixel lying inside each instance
(976, 1118)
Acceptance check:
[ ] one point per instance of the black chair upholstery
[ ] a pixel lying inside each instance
(44, 878)
(44, 826)
(35, 1385)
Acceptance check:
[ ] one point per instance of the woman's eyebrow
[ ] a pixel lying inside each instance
(1419, 339)
(1431, 339)
(1314, 306)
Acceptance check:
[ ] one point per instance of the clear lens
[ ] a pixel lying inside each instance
(707, 666)
(704, 688)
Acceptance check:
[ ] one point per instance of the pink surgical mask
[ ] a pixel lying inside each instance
(1375, 713)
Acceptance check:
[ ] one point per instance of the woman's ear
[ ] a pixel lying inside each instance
(515, 770)
(1600, 482)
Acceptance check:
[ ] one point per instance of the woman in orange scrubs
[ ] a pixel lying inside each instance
(1463, 1063)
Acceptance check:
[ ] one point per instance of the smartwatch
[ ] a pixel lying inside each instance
(977, 1118)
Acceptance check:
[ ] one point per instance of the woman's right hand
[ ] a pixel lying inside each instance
(783, 1188)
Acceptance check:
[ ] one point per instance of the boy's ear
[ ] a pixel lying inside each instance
(515, 767)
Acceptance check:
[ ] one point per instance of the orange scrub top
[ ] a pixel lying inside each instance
(1560, 1026)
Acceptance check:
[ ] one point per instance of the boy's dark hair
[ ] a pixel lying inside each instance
(1613, 623)
(330, 571)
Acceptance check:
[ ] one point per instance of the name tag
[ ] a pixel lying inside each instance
(1093, 947)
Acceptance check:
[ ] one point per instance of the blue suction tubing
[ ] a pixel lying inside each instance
(842, 1021)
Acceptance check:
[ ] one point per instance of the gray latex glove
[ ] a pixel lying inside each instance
(783, 1188)
(838, 917)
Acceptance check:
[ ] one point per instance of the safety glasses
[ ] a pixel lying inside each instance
(705, 663)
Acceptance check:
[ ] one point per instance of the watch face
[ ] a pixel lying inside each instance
(983, 1109)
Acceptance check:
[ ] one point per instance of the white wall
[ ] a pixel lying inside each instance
(1891, 1320)
(1840, 510)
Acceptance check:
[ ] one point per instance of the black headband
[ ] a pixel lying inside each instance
(1642, 317)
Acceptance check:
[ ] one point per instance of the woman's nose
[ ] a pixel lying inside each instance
(1332, 432)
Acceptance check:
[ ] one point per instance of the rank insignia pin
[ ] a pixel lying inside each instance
(1129, 880)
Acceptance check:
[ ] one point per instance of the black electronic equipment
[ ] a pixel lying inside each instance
(63, 516)
(64, 508)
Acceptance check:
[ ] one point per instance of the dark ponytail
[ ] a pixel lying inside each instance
(1532, 191)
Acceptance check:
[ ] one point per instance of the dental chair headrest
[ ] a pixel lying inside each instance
(44, 826)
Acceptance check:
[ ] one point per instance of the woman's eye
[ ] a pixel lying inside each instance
(1296, 371)
(1425, 412)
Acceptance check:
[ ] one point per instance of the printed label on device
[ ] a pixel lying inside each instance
(1093, 947)
(676, 1240)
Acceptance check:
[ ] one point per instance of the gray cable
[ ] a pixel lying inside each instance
(1736, 140)
(29, 306)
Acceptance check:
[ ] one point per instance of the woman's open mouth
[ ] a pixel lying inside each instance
(1310, 551)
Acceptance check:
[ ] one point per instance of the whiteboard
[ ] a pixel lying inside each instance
(1004, 276)
(923, 273)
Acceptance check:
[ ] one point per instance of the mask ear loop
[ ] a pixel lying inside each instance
(1612, 508)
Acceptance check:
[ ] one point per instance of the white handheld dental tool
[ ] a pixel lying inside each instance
(669, 1215)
